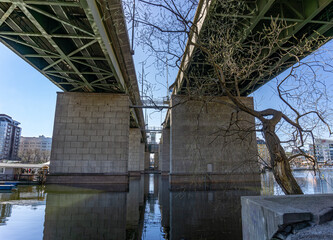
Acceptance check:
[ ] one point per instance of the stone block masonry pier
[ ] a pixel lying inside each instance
(165, 151)
(136, 151)
(208, 145)
(90, 139)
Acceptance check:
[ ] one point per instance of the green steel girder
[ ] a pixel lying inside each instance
(46, 2)
(70, 54)
(263, 7)
(68, 42)
(42, 35)
(308, 18)
(7, 13)
(62, 21)
(301, 13)
(93, 15)
(54, 54)
(294, 20)
(93, 67)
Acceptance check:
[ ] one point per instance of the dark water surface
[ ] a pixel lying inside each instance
(147, 211)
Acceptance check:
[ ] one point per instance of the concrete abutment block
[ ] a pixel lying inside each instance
(211, 142)
(88, 141)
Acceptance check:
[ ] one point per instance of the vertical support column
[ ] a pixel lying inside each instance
(212, 142)
(160, 150)
(90, 139)
(147, 161)
(142, 157)
(156, 162)
(165, 153)
(134, 151)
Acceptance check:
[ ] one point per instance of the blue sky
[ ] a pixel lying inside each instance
(26, 95)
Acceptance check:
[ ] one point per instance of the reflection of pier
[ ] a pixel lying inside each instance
(32, 195)
(85, 214)
(147, 211)
(5, 212)
(24, 193)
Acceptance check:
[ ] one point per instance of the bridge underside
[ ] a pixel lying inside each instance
(306, 18)
(80, 46)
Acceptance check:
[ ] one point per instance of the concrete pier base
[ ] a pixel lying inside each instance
(215, 181)
(90, 138)
(211, 142)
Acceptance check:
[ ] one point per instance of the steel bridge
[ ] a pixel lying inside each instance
(308, 18)
(80, 46)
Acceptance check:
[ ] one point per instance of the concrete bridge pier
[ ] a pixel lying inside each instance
(90, 139)
(147, 161)
(136, 151)
(142, 158)
(165, 152)
(211, 143)
(156, 162)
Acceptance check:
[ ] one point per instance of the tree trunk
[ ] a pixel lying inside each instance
(279, 161)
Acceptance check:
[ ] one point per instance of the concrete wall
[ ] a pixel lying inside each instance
(147, 161)
(160, 149)
(135, 151)
(9, 174)
(142, 158)
(90, 137)
(165, 151)
(206, 147)
(156, 161)
(280, 217)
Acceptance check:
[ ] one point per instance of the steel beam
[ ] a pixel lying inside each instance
(7, 13)
(94, 18)
(59, 11)
(64, 57)
(31, 34)
(46, 2)
(30, 45)
(57, 19)
(263, 6)
(314, 12)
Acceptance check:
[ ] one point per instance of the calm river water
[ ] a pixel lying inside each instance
(147, 211)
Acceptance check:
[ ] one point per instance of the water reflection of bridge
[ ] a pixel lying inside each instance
(149, 210)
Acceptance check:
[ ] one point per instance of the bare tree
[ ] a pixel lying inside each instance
(34, 156)
(225, 57)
